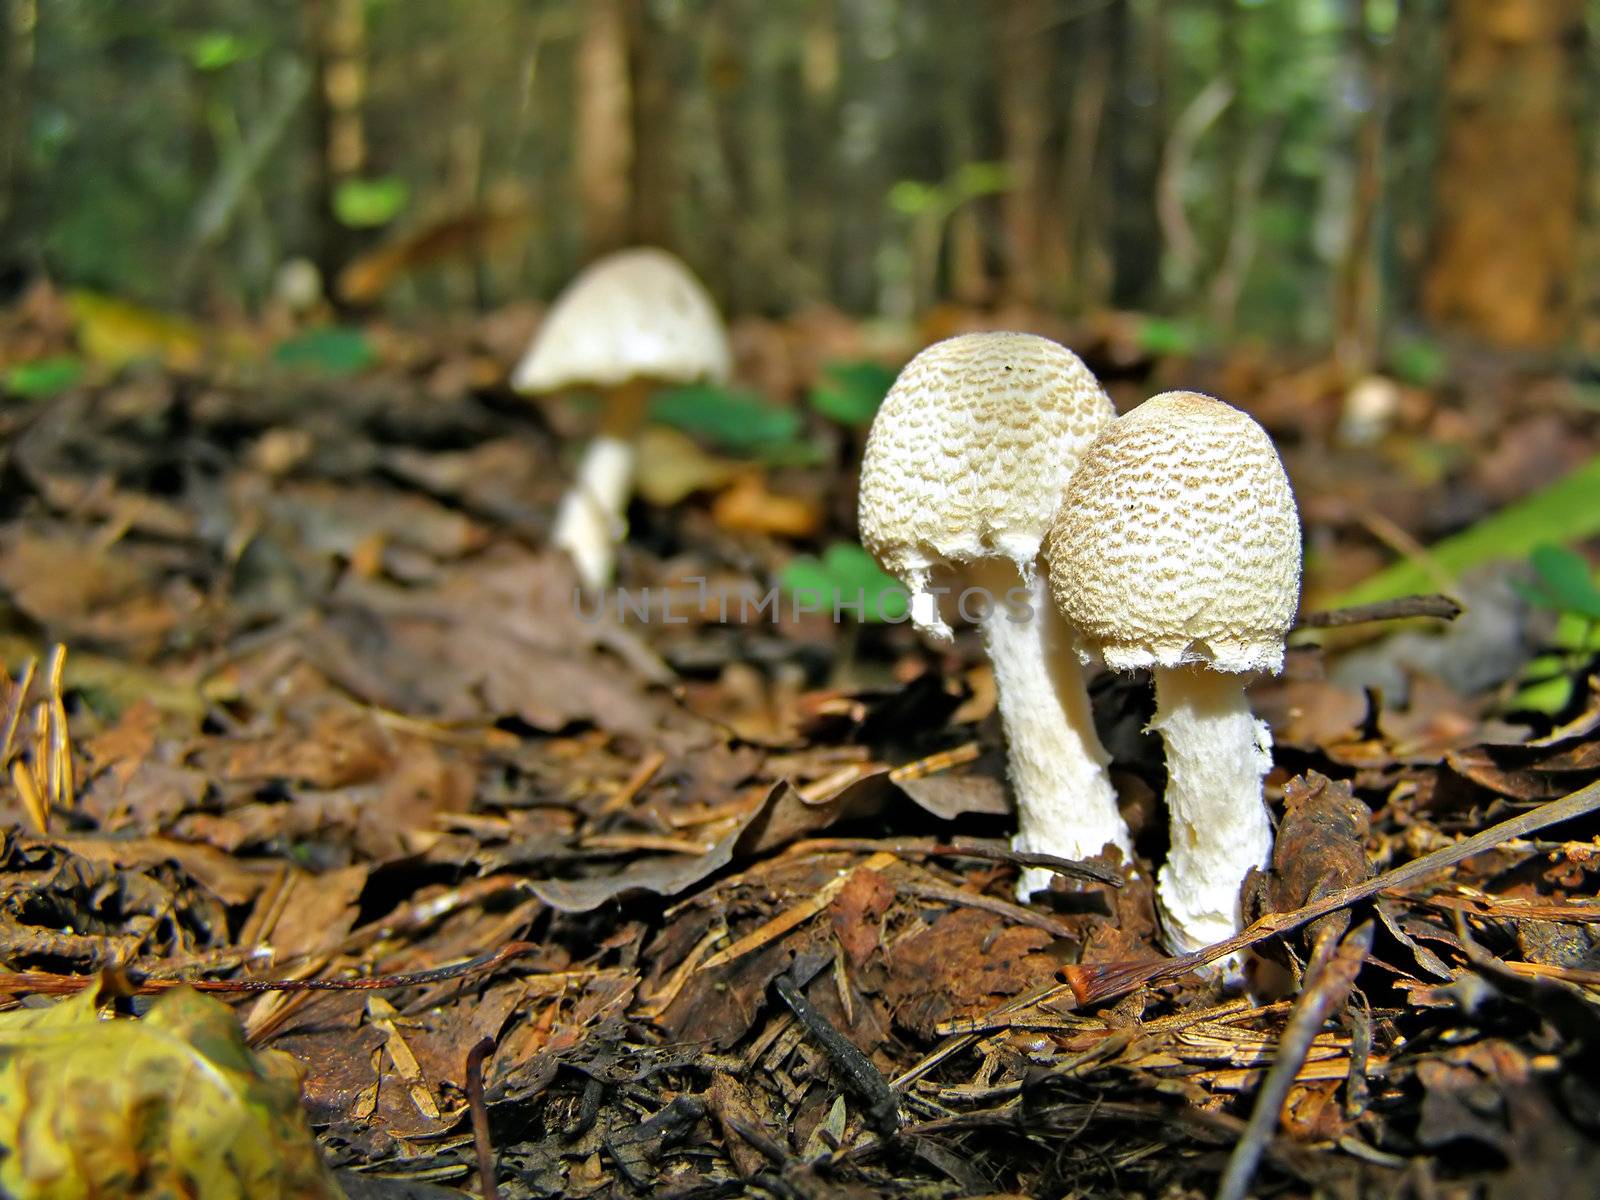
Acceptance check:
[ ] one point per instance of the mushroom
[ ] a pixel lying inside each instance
(965, 464)
(1177, 548)
(629, 320)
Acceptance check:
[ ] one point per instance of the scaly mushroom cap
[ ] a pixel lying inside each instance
(1178, 540)
(635, 314)
(970, 452)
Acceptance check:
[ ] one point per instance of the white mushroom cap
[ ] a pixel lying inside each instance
(635, 314)
(970, 452)
(1178, 540)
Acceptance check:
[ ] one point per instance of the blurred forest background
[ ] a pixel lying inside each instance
(1309, 171)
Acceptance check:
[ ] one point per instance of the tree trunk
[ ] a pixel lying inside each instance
(1358, 280)
(1138, 123)
(759, 151)
(604, 154)
(18, 19)
(338, 34)
(652, 55)
(1086, 281)
(967, 272)
(816, 140)
(1506, 190)
(1023, 63)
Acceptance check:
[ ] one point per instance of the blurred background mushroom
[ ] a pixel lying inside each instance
(630, 321)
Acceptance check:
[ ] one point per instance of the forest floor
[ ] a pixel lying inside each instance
(731, 904)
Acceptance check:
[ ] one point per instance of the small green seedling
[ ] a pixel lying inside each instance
(850, 392)
(845, 579)
(330, 350)
(738, 422)
(43, 377)
(1564, 583)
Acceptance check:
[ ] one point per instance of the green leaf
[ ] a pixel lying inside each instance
(368, 203)
(330, 350)
(975, 179)
(1543, 695)
(799, 452)
(738, 421)
(1162, 336)
(1564, 582)
(219, 49)
(846, 579)
(911, 198)
(1566, 511)
(1577, 634)
(850, 392)
(44, 376)
(1418, 361)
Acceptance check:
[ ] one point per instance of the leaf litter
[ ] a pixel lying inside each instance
(732, 902)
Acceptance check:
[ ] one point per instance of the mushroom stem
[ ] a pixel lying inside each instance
(1217, 755)
(1066, 805)
(589, 523)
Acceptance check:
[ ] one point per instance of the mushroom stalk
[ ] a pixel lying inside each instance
(1065, 802)
(590, 523)
(1217, 755)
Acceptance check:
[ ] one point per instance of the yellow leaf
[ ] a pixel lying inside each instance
(673, 466)
(172, 1104)
(114, 332)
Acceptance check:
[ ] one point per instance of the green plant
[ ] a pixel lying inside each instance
(369, 203)
(43, 376)
(850, 392)
(845, 578)
(1567, 511)
(927, 208)
(1564, 584)
(739, 422)
(330, 350)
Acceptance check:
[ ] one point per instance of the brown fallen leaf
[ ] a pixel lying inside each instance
(749, 507)
(672, 467)
(857, 914)
(1320, 848)
(961, 964)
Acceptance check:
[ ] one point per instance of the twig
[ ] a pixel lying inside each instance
(1431, 605)
(20, 983)
(1322, 995)
(480, 1117)
(1093, 984)
(922, 847)
(759, 1141)
(883, 1106)
(1013, 913)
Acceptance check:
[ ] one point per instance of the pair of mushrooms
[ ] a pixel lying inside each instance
(1166, 538)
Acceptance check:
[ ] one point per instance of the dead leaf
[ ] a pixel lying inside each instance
(749, 507)
(173, 1102)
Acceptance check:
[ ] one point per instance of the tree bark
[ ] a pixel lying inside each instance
(18, 20)
(338, 35)
(967, 278)
(656, 145)
(1023, 90)
(1086, 281)
(604, 154)
(1138, 127)
(1506, 190)
(1358, 287)
(816, 141)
